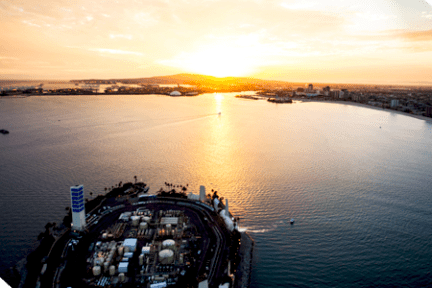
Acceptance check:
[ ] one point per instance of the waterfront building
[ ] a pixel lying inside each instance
(394, 103)
(335, 94)
(78, 209)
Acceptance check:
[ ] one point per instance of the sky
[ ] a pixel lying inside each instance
(331, 41)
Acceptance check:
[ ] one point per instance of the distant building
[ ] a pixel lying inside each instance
(336, 94)
(394, 103)
(356, 97)
(310, 88)
(326, 91)
(344, 94)
(175, 93)
(78, 209)
(428, 111)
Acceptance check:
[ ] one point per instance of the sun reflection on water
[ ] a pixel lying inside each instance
(218, 99)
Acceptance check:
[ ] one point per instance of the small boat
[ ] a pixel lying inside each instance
(292, 221)
(219, 113)
(3, 131)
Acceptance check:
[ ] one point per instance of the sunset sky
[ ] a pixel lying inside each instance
(350, 41)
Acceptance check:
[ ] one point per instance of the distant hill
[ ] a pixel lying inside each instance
(195, 79)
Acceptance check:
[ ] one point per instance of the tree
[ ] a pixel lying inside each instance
(40, 236)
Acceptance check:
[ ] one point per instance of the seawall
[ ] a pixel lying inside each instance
(244, 271)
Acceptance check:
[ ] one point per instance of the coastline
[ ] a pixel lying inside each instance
(427, 119)
(251, 97)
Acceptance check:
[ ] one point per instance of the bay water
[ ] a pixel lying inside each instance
(357, 181)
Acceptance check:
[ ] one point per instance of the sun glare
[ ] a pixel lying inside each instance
(218, 61)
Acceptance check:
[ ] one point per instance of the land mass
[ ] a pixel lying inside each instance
(176, 239)
(414, 100)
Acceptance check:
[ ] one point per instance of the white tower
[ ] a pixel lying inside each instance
(202, 195)
(78, 211)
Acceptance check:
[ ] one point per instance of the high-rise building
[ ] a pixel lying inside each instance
(78, 209)
(394, 103)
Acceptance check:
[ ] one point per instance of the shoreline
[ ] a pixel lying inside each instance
(300, 100)
(419, 117)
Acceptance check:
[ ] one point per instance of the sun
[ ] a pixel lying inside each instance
(216, 60)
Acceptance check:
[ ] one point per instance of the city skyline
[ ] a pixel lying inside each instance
(382, 42)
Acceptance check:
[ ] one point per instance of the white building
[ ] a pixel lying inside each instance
(202, 195)
(175, 93)
(78, 209)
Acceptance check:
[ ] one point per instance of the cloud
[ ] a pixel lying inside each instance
(115, 51)
(425, 35)
(114, 36)
(31, 24)
(426, 15)
(304, 5)
(8, 58)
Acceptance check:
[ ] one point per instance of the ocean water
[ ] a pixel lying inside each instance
(356, 180)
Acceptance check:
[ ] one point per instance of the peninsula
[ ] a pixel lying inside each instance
(131, 239)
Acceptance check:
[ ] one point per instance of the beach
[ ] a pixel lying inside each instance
(427, 119)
